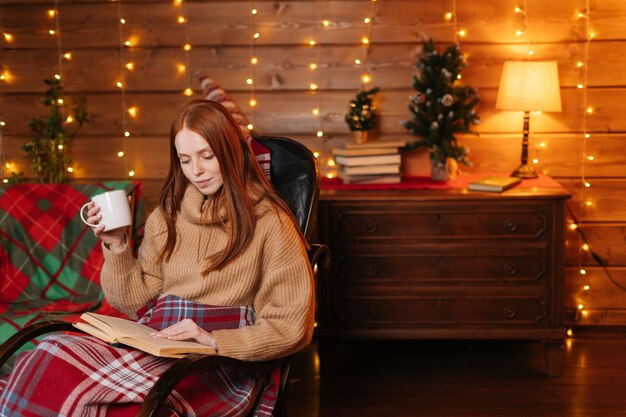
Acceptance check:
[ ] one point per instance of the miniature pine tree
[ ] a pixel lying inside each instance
(362, 113)
(441, 108)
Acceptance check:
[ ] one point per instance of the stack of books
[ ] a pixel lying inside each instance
(370, 162)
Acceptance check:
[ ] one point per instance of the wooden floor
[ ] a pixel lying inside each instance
(453, 378)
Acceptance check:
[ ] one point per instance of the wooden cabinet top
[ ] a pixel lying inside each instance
(554, 191)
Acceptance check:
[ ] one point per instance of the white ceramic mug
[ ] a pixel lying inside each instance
(114, 209)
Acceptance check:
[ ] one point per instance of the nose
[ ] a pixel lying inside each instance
(197, 168)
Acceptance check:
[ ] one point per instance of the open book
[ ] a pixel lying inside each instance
(130, 333)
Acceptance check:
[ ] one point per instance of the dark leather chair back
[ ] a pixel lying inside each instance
(295, 175)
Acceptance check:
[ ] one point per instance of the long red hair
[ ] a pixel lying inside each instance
(241, 174)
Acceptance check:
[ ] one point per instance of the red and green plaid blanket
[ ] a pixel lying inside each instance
(50, 261)
(71, 375)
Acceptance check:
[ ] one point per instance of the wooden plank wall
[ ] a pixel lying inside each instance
(220, 37)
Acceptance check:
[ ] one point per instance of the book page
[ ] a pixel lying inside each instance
(116, 326)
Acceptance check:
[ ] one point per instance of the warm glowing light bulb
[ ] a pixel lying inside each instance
(462, 33)
(583, 272)
(580, 306)
(127, 134)
(130, 66)
(531, 52)
(8, 37)
(591, 157)
(133, 111)
(250, 126)
(256, 35)
(585, 246)
(120, 154)
(518, 9)
(580, 64)
(448, 16)
(181, 19)
(365, 41)
(587, 135)
(2, 123)
(580, 86)
(178, 2)
(313, 66)
(70, 169)
(69, 119)
(131, 173)
(586, 288)
(249, 81)
(51, 13)
(312, 42)
(587, 184)
(592, 35)
(316, 154)
(6, 180)
(315, 111)
(128, 43)
(570, 332)
(3, 77)
(330, 175)
(313, 86)
(181, 68)
(542, 145)
(357, 61)
(254, 11)
(580, 15)
(458, 77)
(535, 161)
(67, 55)
(254, 60)
(367, 20)
(188, 92)
(326, 23)
(320, 133)
(60, 147)
(588, 203)
(252, 102)
(573, 226)
(366, 78)
(187, 47)
(57, 76)
(60, 101)
(119, 84)
(519, 32)
(123, 21)
(7, 165)
(589, 110)
(52, 31)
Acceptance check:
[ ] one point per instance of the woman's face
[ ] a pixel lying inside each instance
(198, 162)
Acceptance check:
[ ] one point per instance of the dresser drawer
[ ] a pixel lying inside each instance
(410, 223)
(441, 310)
(390, 267)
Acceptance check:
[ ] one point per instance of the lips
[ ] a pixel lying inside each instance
(203, 183)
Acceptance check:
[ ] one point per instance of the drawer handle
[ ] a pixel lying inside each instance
(371, 227)
(510, 225)
(510, 268)
(372, 312)
(510, 312)
(371, 270)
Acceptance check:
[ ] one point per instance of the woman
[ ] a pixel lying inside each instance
(220, 237)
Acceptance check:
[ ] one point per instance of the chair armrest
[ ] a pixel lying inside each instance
(319, 255)
(184, 366)
(28, 333)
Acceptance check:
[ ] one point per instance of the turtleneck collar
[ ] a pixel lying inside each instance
(196, 207)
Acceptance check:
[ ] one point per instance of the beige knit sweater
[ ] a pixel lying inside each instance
(273, 275)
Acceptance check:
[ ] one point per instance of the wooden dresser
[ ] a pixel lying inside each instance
(445, 264)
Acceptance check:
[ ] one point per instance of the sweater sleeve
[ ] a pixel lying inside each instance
(128, 283)
(284, 303)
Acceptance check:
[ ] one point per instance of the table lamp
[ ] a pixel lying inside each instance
(528, 86)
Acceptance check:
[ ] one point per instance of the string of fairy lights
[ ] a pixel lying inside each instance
(121, 83)
(5, 76)
(254, 62)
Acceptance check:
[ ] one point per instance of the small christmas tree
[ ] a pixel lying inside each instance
(362, 113)
(48, 148)
(441, 107)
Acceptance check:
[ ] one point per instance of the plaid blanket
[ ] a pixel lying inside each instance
(82, 376)
(50, 261)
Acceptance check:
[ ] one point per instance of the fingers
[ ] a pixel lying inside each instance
(185, 329)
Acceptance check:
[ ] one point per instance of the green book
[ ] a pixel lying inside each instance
(494, 184)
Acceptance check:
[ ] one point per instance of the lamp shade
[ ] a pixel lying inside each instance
(529, 86)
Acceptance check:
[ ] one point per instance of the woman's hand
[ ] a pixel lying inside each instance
(187, 329)
(114, 239)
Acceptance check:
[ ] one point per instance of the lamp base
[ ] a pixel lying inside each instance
(524, 171)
